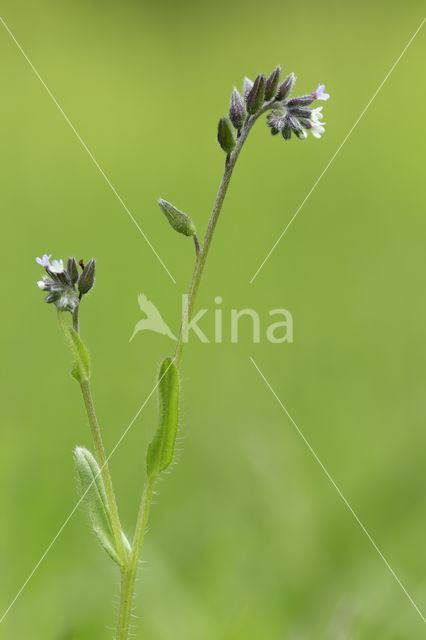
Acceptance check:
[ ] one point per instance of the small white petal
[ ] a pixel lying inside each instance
(41, 284)
(317, 130)
(317, 114)
(57, 266)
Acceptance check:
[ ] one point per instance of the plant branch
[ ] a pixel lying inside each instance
(103, 463)
(98, 442)
(201, 258)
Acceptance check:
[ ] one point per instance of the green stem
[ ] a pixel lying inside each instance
(129, 574)
(103, 463)
(98, 443)
(201, 258)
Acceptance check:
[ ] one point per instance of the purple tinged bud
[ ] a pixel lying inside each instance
(286, 87)
(72, 270)
(272, 84)
(225, 135)
(87, 278)
(286, 131)
(300, 112)
(247, 85)
(301, 101)
(237, 110)
(256, 97)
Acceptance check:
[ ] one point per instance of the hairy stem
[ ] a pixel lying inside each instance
(103, 463)
(98, 442)
(129, 574)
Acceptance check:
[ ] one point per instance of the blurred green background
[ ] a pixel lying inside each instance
(248, 539)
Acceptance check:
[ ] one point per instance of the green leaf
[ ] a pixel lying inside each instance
(161, 450)
(81, 367)
(94, 495)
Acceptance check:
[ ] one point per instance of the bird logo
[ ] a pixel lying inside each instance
(153, 320)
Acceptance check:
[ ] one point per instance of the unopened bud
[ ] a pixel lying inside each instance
(225, 135)
(179, 220)
(87, 278)
(301, 101)
(256, 96)
(272, 84)
(237, 110)
(72, 270)
(286, 87)
(247, 85)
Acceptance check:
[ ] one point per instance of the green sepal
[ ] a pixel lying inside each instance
(161, 450)
(93, 493)
(179, 220)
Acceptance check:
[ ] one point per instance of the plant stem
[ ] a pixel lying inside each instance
(128, 575)
(103, 463)
(201, 258)
(98, 442)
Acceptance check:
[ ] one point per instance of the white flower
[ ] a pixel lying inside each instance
(317, 114)
(42, 285)
(57, 266)
(317, 129)
(44, 261)
(319, 93)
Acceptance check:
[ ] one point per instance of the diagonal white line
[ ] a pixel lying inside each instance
(86, 148)
(62, 527)
(330, 478)
(333, 157)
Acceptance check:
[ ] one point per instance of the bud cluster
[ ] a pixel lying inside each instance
(288, 115)
(65, 286)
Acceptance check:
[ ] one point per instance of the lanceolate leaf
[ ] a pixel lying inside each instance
(161, 450)
(93, 493)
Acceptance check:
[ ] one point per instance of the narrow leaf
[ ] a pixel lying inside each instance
(161, 450)
(93, 492)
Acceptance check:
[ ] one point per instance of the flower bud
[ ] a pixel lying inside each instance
(179, 220)
(87, 278)
(272, 84)
(301, 101)
(72, 270)
(237, 110)
(256, 96)
(286, 131)
(225, 135)
(247, 85)
(286, 87)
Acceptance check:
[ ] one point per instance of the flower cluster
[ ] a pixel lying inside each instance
(293, 115)
(287, 115)
(65, 286)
